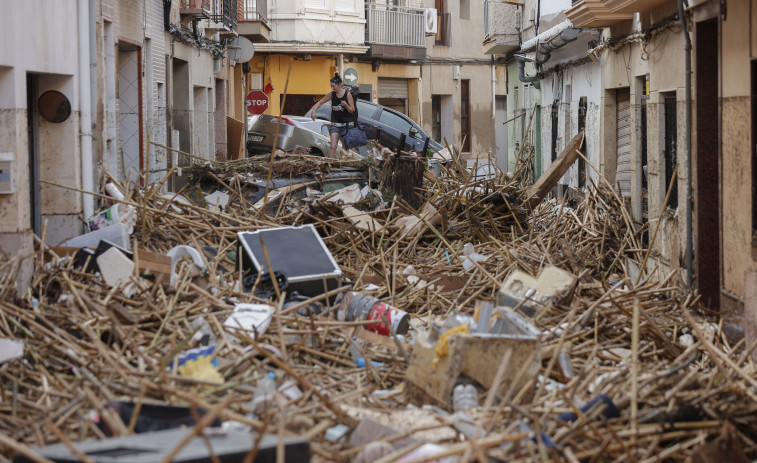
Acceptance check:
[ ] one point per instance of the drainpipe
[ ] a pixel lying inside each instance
(545, 44)
(494, 88)
(689, 202)
(85, 109)
(522, 71)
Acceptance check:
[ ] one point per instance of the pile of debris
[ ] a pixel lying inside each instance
(408, 317)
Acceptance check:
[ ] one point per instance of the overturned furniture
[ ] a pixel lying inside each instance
(474, 358)
(297, 254)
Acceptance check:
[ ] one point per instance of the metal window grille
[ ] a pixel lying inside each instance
(225, 12)
(255, 10)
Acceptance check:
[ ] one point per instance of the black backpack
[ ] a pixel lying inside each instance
(355, 91)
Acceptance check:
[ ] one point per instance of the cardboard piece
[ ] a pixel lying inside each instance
(361, 220)
(530, 294)
(154, 264)
(472, 357)
(413, 225)
(234, 135)
(10, 350)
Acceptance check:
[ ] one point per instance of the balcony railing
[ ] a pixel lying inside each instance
(196, 8)
(395, 25)
(225, 12)
(255, 10)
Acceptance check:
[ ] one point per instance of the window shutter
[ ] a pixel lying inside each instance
(344, 6)
(320, 4)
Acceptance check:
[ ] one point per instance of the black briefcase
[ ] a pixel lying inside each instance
(297, 254)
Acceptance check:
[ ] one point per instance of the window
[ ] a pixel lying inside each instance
(442, 24)
(344, 6)
(582, 103)
(464, 9)
(398, 122)
(318, 4)
(671, 157)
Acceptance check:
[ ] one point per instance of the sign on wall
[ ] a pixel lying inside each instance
(257, 102)
(351, 76)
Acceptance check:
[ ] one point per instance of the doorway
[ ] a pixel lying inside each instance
(465, 123)
(130, 132)
(500, 132)
(181, 119)
(32, 89)
(708, 260)
(623, 141)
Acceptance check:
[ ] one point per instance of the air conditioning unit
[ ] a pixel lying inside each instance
(429, 21)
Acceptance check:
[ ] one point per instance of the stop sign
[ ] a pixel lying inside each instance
(257, 102)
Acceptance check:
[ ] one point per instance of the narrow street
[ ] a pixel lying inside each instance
(348, 231)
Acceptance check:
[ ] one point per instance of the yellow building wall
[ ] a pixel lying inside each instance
(312, 77)
(305, 77)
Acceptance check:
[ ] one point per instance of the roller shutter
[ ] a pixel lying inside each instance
(623, 174)
(392, 88)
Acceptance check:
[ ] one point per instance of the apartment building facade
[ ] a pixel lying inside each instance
(642, 113)
(46, 115)
(554, 89)
(409, 55)
(463, 88)
(102, 88)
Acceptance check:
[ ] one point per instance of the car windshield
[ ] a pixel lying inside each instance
(399, 123)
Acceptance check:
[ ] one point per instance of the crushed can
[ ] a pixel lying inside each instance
(358, 306)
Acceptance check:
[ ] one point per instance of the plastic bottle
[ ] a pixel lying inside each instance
(264, 397)
(358, 306)
(464, 397)
(118, 213)
(355, 350)
(113, 191)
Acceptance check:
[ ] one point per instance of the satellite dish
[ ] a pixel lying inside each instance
(241, 50)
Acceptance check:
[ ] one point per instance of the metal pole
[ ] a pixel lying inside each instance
(244, 110)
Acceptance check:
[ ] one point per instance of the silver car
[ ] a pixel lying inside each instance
(294, 131)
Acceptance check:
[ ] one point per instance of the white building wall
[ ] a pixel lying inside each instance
(318, 21)
(155, 88)
(569, 86)
(45, 50)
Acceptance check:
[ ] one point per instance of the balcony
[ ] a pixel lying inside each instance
(395, 31)
(500, 27)
(223, 17)
(634, 6)
(197, 9)
(253, 21)
(595, 13)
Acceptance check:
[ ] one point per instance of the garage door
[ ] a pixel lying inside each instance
(393, 93)
(623, 175)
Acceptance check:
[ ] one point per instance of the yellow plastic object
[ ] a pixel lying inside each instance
(201, 368)
(442, 349)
